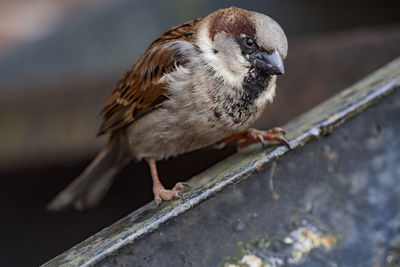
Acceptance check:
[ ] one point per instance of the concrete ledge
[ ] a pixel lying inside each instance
(142, 238)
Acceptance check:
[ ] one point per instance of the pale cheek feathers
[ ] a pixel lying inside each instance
(228, 62)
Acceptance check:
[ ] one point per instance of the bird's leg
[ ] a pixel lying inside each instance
(250, 136)
(160, 193)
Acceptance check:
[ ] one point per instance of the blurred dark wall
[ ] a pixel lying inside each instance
(52, 89)
(106, 39)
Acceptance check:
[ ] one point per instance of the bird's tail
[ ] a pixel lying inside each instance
(89, 188)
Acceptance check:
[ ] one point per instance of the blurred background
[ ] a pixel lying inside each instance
(59, 60)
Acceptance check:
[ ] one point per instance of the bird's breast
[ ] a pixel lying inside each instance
(199, 112)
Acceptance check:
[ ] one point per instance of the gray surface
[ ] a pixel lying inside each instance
(329, 188)
(346, 185)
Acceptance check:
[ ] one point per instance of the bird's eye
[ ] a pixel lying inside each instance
(249, 42)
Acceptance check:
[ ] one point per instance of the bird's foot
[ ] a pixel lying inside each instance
(252, 136)
(161, 194)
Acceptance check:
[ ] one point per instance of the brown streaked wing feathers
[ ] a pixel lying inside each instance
(141, 89)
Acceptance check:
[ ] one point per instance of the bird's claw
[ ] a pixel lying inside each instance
(257, 136)
(181, 186)
(176, 192)
(275, 130)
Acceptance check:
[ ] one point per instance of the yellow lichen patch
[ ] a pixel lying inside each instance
(248, 261)
(251, 260)
(304, 239)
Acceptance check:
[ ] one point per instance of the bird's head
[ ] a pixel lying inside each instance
(239, 44)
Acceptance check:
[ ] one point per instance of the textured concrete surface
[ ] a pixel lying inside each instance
(334, 201)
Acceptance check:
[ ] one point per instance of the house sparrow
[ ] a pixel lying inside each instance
(199, 83)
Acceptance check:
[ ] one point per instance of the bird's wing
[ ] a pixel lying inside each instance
(142, 87)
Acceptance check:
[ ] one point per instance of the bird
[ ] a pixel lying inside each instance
(200, 83)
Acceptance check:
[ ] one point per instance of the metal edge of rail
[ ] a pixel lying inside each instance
(319, 121)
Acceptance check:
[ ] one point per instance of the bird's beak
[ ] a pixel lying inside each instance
(269, 63)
